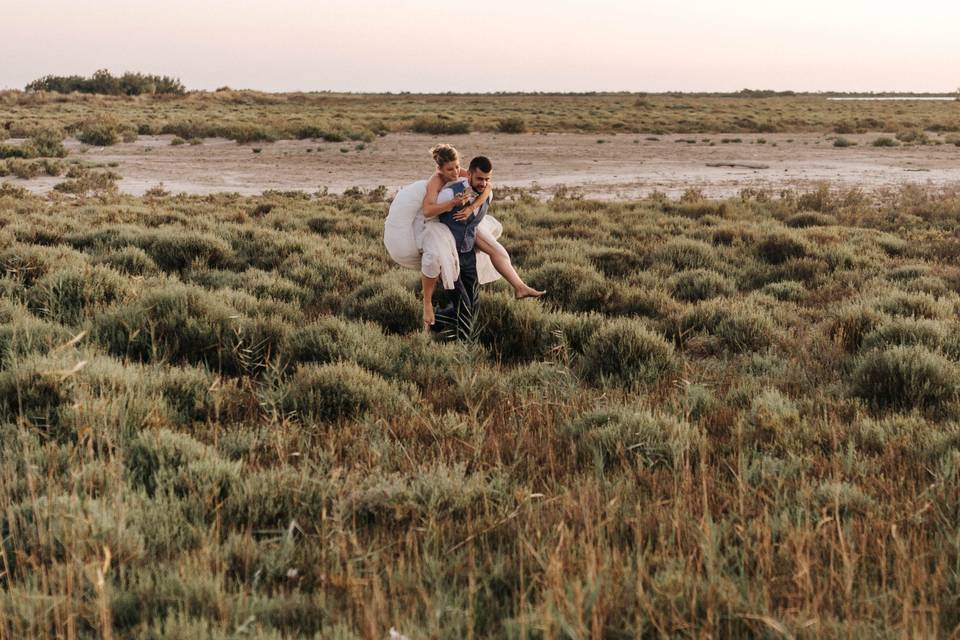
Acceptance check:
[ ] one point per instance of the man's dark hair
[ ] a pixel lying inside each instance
(482, 163)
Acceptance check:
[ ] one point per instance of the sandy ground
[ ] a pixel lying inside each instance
(621, 166)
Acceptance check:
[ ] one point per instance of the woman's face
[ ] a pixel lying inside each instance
(449, 171)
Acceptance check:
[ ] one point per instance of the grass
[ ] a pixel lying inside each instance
(726, 419)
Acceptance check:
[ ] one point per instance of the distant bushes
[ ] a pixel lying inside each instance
(99, 133)
(885, 141)
(440, 126)
(512, 125)
(810, 219)
(103, 82)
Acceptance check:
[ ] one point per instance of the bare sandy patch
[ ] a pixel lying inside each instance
(601, 166)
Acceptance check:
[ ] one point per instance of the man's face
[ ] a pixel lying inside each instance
(480, 179)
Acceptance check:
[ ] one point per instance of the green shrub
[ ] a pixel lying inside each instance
(852, 322)
(843, 142)
(810, 219)
(48, 143)
(906, 377)
(885, 141)
(846, 498)
(630, 433)
(36, 390)
(912, 305)
(50, 530)
(434, 491)
(340, 390)
(515, 330)
(386, 303)
(101, 133)
(574, 287)
(683, 253)
(67, 295)
(273, 498)
(24, 169)
(332, 339)
(176, 249)
(186, 391)
(625, 352)
(773, 424)
(576, 329)
(732, 325)
(785, 291)
(165, 462)
(915, 136)
(617, 263)
(699, 284)
(512, 125)
(132, 261)
(440, 126)
(175, 322)
(22, 334)
(931, 334)
(779, 247)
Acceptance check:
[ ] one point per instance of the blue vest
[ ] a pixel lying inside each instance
(464, 232)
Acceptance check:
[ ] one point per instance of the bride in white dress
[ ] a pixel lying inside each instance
(416, 239)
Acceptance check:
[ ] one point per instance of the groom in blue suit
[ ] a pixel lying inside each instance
(462, 221)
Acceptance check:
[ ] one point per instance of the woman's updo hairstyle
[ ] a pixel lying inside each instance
(443, 153)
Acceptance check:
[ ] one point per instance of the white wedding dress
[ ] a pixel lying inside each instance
(427, 245)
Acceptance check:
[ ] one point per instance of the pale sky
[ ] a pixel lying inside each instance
(492, 45)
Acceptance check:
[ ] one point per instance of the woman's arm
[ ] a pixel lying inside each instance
(468, 211)
(431, 208)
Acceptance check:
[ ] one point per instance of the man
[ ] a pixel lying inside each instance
(462, 220)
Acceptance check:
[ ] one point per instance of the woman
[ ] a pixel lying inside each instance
(448, 170)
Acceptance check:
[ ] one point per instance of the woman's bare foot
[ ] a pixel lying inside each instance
(428, 317)
(527, 292)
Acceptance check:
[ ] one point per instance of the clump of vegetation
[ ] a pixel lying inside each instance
(700, 284)
(103, 82)
(906, 377)
(512, 125)
(885, 141)
(913, 136)
(625, 352)
(626, 433)
(843, 142)
(337, 391)
(440, 126)
(810, 219)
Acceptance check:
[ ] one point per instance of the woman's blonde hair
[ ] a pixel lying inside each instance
(443, 153)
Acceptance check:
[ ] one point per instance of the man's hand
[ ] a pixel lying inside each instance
(463, 214)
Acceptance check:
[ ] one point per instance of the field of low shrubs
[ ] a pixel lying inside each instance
(104, 109)
(726, 419)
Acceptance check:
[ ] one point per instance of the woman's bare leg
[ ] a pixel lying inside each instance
(501, 262)
(428, 284)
